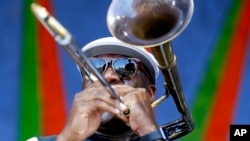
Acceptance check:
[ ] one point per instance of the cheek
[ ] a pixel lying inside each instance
(140, 83)
(129, 82)
(134, 82)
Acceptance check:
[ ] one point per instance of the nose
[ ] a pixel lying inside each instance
(110, 76)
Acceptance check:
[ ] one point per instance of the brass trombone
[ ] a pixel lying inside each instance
(149, 23)
(154, 23)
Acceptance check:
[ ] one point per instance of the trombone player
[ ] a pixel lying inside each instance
(96, 115)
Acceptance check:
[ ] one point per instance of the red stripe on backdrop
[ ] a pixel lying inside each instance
(227, 92)
(51, 82)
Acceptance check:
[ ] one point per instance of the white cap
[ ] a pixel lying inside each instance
(111, 45)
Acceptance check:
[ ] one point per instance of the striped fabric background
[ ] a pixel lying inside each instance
(38, 79)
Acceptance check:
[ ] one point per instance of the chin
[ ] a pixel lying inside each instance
(111, 125)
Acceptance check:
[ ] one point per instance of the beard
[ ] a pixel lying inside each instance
(113, 126)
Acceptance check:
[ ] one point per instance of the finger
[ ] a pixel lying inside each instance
(136, 95)
(122, 89)
(92, 94)
(88, 84)
(103, 106)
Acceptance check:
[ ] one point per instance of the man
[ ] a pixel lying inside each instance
(96, 116)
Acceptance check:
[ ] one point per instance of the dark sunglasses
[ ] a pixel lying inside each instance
(123, 67)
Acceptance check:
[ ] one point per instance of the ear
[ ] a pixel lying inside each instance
(152, 92)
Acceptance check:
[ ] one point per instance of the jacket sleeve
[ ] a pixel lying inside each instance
(45, 138)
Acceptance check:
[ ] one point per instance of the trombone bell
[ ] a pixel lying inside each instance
(148, 22)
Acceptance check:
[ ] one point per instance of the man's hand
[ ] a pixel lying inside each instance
(141, 119)
(88, 106)
(86, 112)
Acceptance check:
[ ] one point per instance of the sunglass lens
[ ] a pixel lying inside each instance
(99, 64)
(125, 67)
